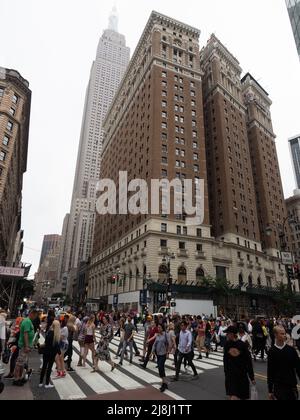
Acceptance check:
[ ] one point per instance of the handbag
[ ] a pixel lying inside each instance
(6, 356)
(41, 348)
(254, 393)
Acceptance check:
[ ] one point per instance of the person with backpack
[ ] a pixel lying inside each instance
(160, 349)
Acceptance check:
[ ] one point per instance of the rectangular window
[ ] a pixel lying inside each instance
(195, 145)
(194, 134)
(163, 243)
(196, 168)
(9, 126)
(184, 230)
(177, 152)
(199, 233)
(5, 141)
(221, 273)
(164, 74)
(195, 156)
(15, 99)
(12, 111)
(164, 125)
(164, 114)
(193, 93)
(182, 153)
(177, 164)
(164, 104)
(181, 245)
(199, 247)
(163, 227)
(2, 156)
(164, 173)
(164, 149)
(1, 92)
(178, 230)
(164, 160)
(164, 136)
(183, 164)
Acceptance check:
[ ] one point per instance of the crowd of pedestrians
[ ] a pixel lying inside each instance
(165, 337)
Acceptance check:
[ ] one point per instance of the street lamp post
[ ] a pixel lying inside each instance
(167, 261)
(280, 229)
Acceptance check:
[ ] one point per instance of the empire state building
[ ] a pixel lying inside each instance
(106, 73)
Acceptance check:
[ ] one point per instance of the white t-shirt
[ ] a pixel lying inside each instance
(2, 328)
(64, 333)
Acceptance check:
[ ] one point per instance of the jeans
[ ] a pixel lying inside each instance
(69, 353)
(189, 358)
(161, 360)
(48, 361)
(125, 344)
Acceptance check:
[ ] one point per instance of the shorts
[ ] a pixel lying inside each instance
(22, 359)
(89, 339)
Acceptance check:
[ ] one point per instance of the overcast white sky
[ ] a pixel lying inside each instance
(53, 43)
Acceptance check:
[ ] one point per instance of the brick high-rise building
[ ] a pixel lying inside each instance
(154, 130)
(231, 187)
(270, 202)
(15, 102)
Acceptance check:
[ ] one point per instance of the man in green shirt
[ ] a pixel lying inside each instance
(25, 344)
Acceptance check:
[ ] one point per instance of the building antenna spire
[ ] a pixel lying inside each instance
(113, 19)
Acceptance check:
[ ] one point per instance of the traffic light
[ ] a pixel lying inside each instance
(290, 272)
(114, 279)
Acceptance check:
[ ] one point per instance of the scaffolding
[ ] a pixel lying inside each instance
(9, 286)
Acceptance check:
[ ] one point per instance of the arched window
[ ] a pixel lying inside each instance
(182, 275)
(200, 275)
(241, 280)
(162, 273)
(250, 281)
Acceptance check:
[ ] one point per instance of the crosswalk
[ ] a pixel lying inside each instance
(83, 383)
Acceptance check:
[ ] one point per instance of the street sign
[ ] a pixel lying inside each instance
(12, 271)
(287, 258)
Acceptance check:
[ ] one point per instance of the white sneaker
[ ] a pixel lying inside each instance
(41, 385)
(50, 386)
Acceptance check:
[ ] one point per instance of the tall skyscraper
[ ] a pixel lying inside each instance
(270, 203)
(295, 151)
(231, 186)
(50, 242)
(15, 103)
(154, 130)
(107, 71)
(294, 14)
